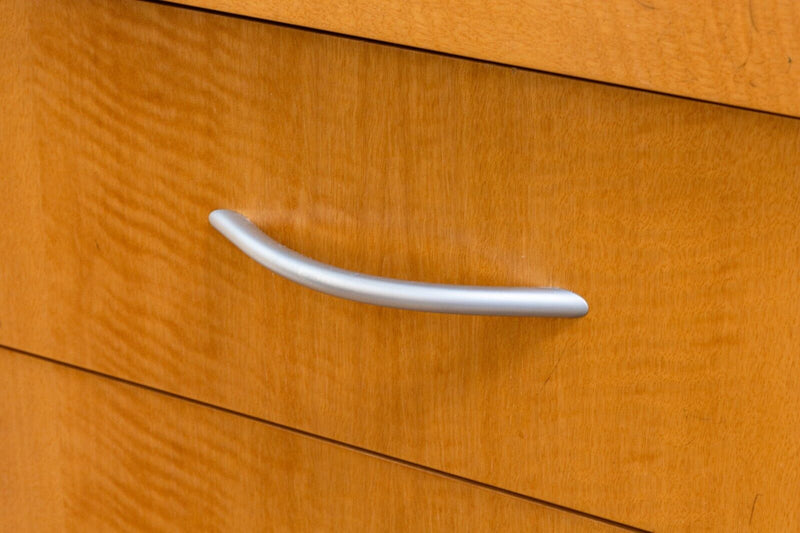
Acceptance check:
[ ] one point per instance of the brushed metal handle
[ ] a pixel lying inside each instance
(432, 297)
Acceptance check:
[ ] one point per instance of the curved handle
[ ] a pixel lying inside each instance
(437, 298)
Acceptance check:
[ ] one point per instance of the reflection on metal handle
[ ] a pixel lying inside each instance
(437, 298)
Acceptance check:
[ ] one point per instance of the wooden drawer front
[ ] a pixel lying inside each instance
(82, 453)
(674, 403)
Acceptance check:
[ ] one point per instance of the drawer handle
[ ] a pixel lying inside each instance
(437, 298)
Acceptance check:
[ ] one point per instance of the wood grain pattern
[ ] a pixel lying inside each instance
(83, 453)
(741, 52)
(673, 405)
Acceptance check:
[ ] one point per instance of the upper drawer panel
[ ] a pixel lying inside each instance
(739, 52)
(673, 403)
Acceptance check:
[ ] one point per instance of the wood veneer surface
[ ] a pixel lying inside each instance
(672, 405)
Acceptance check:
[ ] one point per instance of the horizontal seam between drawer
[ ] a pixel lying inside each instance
(328, 440)
(460, 57)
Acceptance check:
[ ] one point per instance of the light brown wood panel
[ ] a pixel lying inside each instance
(741, 52)
(83, 453)
(672, 405)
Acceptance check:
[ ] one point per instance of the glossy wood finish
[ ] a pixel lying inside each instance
(672, 405)
(741, 52)
(79, 453)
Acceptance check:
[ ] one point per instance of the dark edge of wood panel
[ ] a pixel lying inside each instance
(332, 442)
(460, 57)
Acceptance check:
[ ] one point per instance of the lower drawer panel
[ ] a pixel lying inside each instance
(81, 452)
